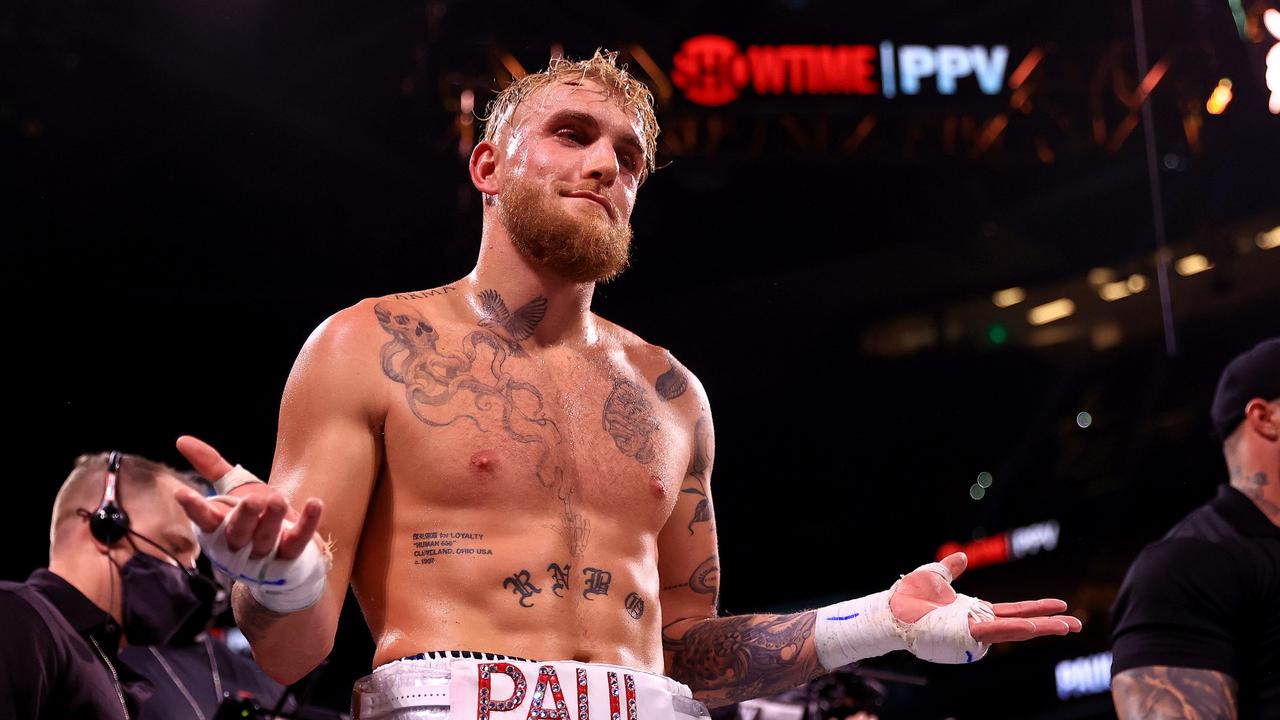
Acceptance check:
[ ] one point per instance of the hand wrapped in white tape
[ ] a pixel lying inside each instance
(282, 586)
(866, 627)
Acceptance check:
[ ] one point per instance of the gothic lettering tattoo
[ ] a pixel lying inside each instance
(671, 384)
(443, 387)
(729, 659)
(511, 327)
(424, 294)
(597, 582)
(699, 466)
(428, 546)
(635, 606)
(1157, 691)
(559, 576)
(628, 418)
(521, 585)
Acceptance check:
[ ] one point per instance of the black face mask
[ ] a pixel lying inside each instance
(159, 599)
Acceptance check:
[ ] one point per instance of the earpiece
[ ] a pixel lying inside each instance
(109, 522)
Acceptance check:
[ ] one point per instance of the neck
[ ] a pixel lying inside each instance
(95, 578)
(519, 280)
(1260, 482)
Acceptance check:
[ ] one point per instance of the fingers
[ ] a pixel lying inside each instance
(268, 529)
(243, 521)
(206, 515)
(294, 539)
(1029, 608)
(955, 563)
(1016, 629)
(207, 461)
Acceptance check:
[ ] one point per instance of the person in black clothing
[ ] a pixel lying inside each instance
(1196, 626)
(120, 564)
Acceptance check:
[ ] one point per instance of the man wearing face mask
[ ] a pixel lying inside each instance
(120, 571)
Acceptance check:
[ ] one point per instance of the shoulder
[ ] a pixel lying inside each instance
(407, 317)
(27, 628)
(1181, 565)
(669, 379)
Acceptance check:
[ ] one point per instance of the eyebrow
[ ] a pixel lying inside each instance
(565, 116)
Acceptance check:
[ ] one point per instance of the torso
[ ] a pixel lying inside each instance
(521, 492)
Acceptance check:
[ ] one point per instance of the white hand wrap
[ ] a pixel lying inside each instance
(282, 586)
(865, 627)
(234, 478)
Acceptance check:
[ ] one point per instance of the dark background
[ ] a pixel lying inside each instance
(195, 186)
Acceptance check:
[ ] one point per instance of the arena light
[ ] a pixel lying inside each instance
(1008, 297)
(1113, 291)
(1269, 239)
(1219, 98)
(1051, 311)
(1136, 283)
(1271, 19)
(1087, 675)
(1100, 276)
(1192, 264)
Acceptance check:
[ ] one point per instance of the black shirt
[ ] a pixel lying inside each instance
(187, 666)
(49, 665)
(1207, 596)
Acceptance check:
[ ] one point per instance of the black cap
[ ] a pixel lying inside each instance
(1254, 374)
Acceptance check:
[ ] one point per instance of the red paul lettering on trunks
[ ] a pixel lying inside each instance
(549, 681)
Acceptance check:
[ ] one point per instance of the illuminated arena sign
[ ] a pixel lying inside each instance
(712, 70)
(1003, 547)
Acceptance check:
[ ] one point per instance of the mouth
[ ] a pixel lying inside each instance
(594, 197)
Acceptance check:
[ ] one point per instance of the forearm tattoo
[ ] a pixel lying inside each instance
(443, 387)
(1158, 692)
(725, 660)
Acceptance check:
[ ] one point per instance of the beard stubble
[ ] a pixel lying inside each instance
(577, 248)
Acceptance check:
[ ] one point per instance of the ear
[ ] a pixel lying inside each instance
(484, 168)
(1263, 418)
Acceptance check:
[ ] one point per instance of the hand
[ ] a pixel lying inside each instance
(258, 518)
(923, 590)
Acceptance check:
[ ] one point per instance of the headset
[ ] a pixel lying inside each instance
(109, 523)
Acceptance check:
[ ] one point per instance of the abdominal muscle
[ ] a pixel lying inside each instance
(503, 581)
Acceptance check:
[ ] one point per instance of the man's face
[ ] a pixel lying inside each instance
(572, 164)
(159, 517)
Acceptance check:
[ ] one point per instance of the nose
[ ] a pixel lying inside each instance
(600, 163)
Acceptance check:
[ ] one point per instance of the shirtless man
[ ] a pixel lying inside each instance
(504, 471)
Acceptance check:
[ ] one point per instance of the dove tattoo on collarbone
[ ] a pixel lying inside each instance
(509, 326)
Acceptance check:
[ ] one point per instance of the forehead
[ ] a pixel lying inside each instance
(580, 96)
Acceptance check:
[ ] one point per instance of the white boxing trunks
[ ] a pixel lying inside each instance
(446, 686)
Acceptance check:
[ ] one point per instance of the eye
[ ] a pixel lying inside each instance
(569, 134)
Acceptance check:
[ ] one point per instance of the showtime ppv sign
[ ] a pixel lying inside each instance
(712, 70)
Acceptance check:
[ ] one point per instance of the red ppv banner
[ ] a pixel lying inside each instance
(1006, 546)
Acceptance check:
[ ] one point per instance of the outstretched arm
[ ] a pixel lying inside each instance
(729, 659)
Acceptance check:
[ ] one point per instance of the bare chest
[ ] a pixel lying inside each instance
(477, 423)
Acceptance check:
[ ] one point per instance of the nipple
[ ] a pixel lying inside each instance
(657, 487)
(484, 460)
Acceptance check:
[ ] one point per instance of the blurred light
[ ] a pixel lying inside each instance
(1219, 98)
(1114, 291)
(1083, 676)
(977, 492)
(557, 51)
(1192, 264)
(1136, 283)
(1172, 161)
(1101, 276)
(1106, 335)
(997, 334)
(984, 479)
(467, 102)
(1084, 419)
(1271, 19)
(1051, 311)
(1009, 297)
(1269, 239)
